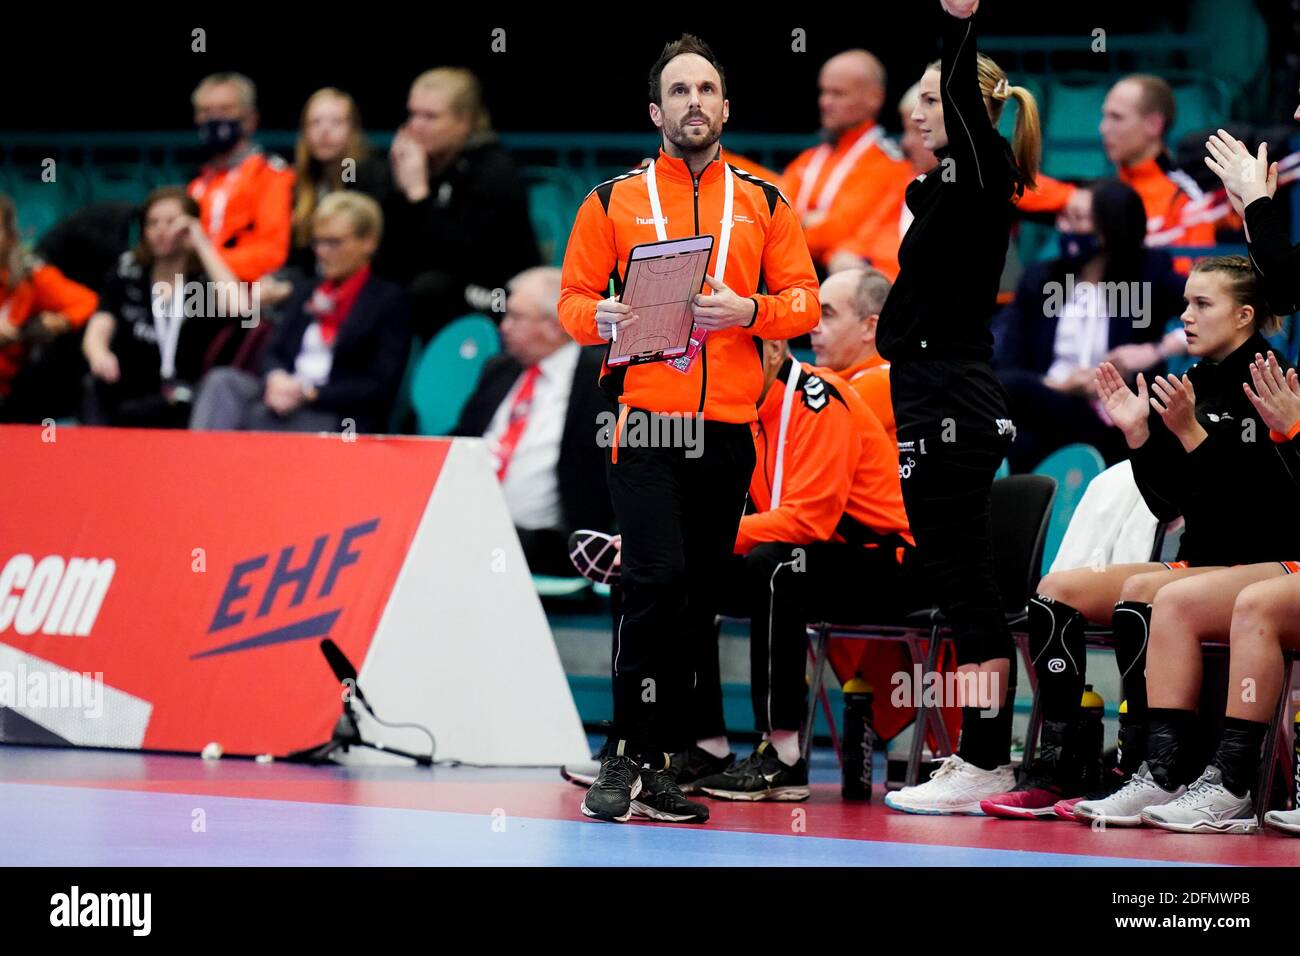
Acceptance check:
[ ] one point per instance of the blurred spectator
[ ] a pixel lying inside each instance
(1136, 117)
(148, 343)
(458, 224)
(844, 340)
(1107, 298)
(37, 305)
(855, 179)
(244, 195)
(340, 352)
(876, 245)
(537, 406)
(332, 153)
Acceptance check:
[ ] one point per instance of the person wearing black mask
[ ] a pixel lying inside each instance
(244, 195)
(1106, 298)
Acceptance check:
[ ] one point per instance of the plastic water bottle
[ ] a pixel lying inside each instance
(1092, 736)
(857, 749)
(1295, 805)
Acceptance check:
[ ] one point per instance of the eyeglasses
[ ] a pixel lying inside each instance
(325, 242)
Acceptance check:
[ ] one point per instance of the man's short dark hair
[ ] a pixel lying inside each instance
(687, 43)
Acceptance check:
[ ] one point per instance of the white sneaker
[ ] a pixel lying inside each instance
(1207, 807)
(1124, 807)
(956, 787)
(1288, 821)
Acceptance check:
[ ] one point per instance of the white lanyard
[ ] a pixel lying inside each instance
(787, 400)
(728, 201)
(838, 174)
(167, 323)
(217, 212)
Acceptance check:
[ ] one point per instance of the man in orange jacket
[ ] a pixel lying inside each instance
(1136, 117)
(678, 507)
(245, 196)
(856, 178)
(826, 540)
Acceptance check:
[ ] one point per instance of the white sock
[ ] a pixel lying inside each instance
(714, 746)
(786, 745)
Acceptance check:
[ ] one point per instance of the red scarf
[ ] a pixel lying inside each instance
(332, 301)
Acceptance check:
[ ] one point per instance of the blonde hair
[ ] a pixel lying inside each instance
(18, 263)
(466, 94)
(305, 193)
(363, 212)
(1027, 140)
(1244, 286)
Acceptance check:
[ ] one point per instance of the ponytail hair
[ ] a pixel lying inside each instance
(1027, 140)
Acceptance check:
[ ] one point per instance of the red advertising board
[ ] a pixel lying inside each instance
(197, 572)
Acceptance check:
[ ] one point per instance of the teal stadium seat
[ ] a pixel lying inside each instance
(1073, 467)
(118, 183)
(1072, 147)
(553, 199)
(448, 369)
(40, 205)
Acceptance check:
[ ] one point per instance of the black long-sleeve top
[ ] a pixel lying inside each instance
(1234, 490)
(952, 257)
(1277, 263)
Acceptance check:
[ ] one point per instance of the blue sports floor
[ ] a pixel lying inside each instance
(84, 808)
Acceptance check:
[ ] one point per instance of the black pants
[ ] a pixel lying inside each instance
(546, 550)
(678, 516)
(106, 404)
(946, 464)
(1047, 420)
(781, 588)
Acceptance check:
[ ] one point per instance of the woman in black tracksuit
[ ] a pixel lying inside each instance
(953, 427)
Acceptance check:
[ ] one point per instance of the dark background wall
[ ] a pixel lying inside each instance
(573, 68)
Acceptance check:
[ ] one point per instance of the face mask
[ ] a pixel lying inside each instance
(1079, 246)
(218, 136)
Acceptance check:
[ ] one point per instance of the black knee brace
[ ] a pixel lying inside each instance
(1059, 655)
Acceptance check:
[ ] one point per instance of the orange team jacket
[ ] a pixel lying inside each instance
(247, 210)
(840, 465)
(878, 238)
(767, 261)
(1166, 194)
(748, 165)
(45, 289)
(854, 185)
(870, 379)
(840, 468)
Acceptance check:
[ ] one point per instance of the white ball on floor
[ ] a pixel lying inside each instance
(264, 758)
(212, 751)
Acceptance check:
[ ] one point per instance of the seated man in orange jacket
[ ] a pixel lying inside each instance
(245, 196)
(826, 540)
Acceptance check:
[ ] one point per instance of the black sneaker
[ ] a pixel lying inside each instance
(661, 799)
(760, 776)
(614, 789)
(694, 763)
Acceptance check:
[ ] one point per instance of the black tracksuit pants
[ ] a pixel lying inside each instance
(781, 588)
(678, 515)
(946, 462)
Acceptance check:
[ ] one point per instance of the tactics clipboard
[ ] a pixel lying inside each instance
(662, 279)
